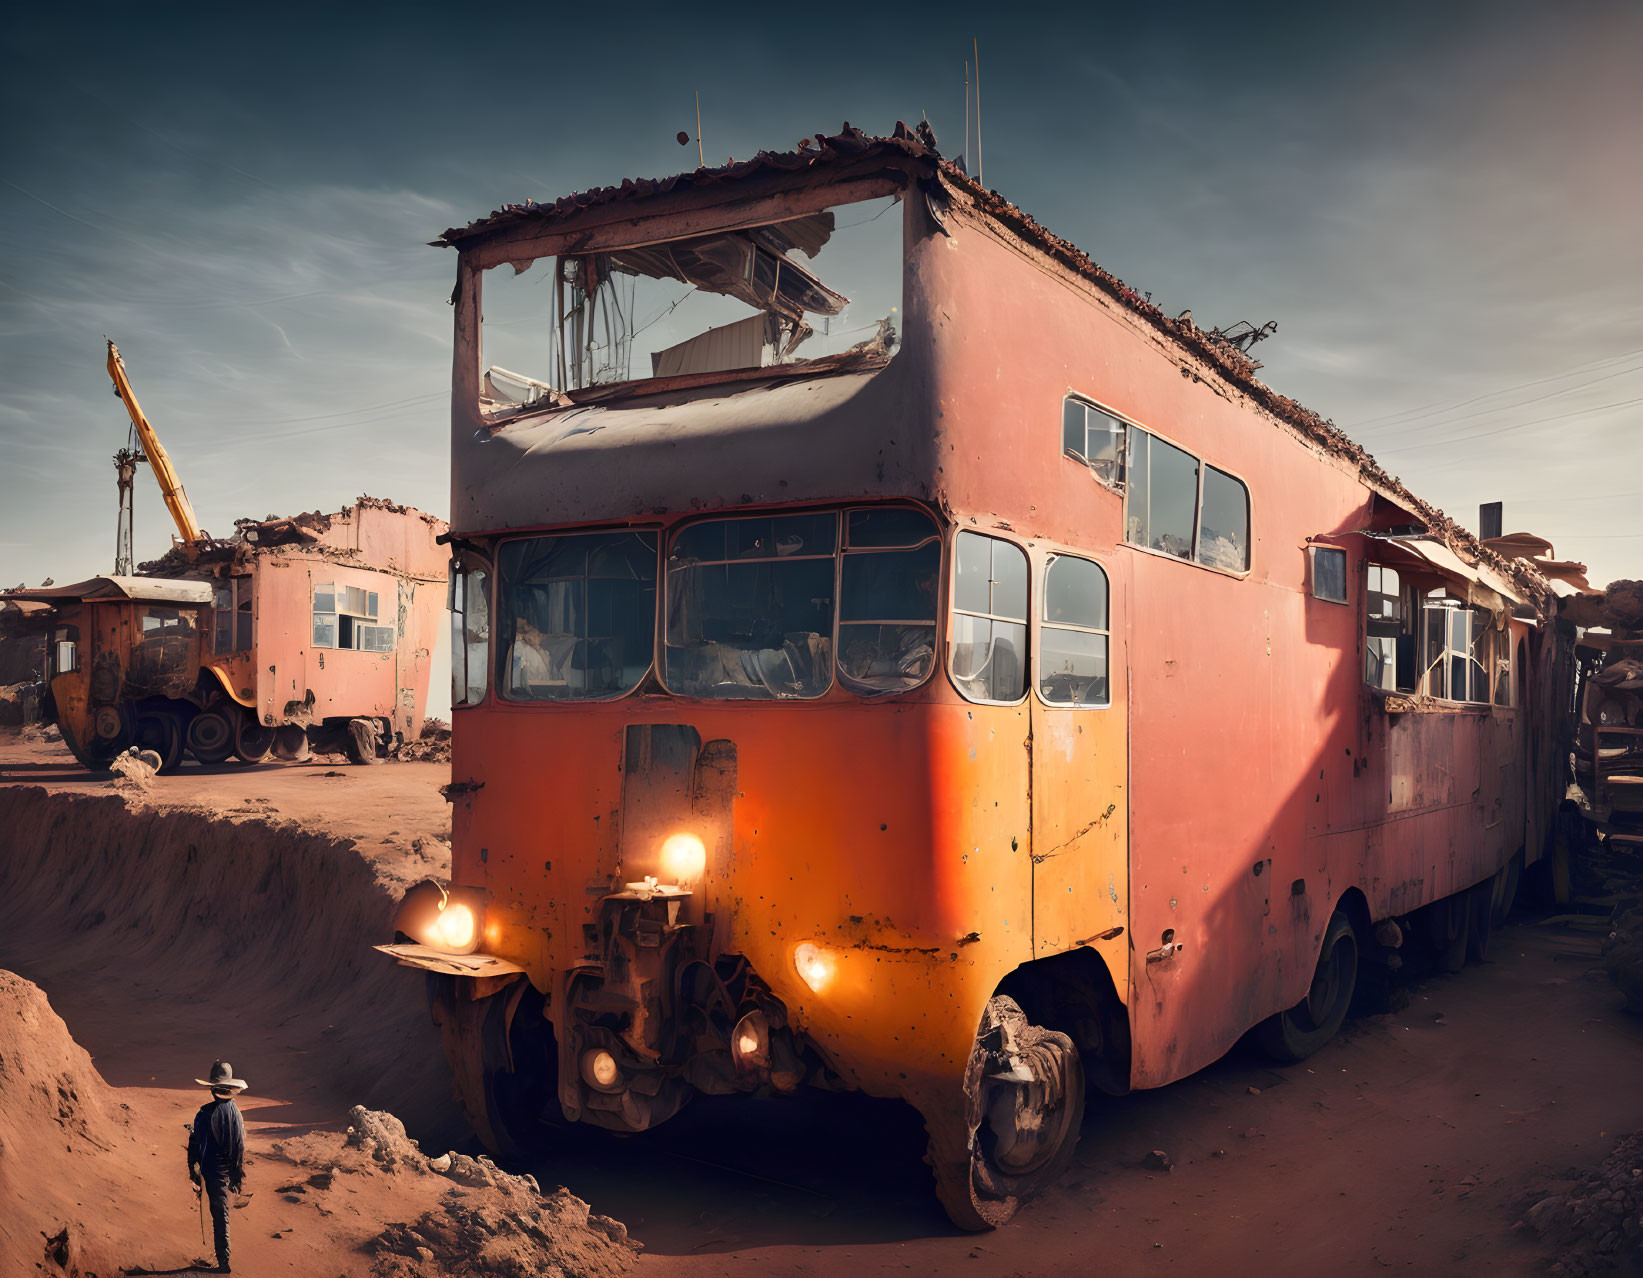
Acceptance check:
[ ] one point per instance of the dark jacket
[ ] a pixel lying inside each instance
(217, 1144)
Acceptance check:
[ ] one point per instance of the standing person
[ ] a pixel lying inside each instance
(216, 1150)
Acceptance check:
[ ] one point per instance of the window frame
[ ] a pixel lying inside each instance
(1448, 606)
(337, 611)
(1035, 655)
(953, 610)
(1119, 486)
(496, 675)
(471, 562)
(845, 549)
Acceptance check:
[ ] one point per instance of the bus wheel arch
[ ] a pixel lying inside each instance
(1297, 1032)
(1053, 1031)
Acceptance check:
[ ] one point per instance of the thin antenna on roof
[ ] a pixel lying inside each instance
(700, 161)
(966, 151)
(977, 44)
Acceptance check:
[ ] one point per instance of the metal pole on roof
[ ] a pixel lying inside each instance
(966, 151)
(701, 163)
(977, 44)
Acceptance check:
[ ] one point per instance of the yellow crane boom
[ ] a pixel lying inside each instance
(171, 488)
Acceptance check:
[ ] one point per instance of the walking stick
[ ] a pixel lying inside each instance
(200, 1194)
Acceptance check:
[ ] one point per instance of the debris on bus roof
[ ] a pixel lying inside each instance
(851, 151)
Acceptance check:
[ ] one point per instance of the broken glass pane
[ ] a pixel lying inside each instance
(989, 658)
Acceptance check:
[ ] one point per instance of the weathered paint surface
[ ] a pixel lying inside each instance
(1196, 834)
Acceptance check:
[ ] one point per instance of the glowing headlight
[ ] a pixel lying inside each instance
(455, 926)
(816, 966)
(600, 1070)
(684, 857)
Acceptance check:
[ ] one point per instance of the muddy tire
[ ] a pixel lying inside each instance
(1298, 1032)
(162, 732)
(1506, 886)
(1480, 927)
(253, 741)
(211, 736)
(504, 1088)
(1449, 927)
(1016, 1135)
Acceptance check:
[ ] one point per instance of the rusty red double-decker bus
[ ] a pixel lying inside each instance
(890, 654)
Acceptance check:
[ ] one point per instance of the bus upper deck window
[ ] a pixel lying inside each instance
(887, 600)
(1385, 630)
(750, 607)
(989, 646)
(1094, 438)
(1162, 496)
(1073, 637)
(470, 632)
(1223, 525)
(576, 615)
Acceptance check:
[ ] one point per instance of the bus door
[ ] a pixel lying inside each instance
(1080, 762)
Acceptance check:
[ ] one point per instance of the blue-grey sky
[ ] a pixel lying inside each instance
(1438, 203)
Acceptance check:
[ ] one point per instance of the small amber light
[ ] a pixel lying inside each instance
(684, 857)
(816, 966)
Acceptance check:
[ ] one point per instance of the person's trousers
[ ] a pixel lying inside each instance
(216, 1192)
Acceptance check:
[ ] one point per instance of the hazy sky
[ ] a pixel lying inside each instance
(1439, 204)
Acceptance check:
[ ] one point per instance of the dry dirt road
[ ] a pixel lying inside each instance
(1411, 1144)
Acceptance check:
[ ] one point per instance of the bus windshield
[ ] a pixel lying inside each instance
(577, 615)
(753, 604)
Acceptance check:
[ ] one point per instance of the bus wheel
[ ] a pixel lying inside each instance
(503, 1087)
(1481, 902)
(1506, 884)
(1448, 925)
(1295, 1034)
(252, 740)
(1024, 1093)
(210, 736)
(162, 732)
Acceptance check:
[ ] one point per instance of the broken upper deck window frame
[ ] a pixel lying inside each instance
(563, 327)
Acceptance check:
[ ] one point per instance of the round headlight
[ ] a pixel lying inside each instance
(600, 1070)
(750, 1042)
(684, 857)
(455, 926)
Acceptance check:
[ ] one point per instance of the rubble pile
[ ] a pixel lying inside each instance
(486, 1223)
(432, 746)
(1597, 1224)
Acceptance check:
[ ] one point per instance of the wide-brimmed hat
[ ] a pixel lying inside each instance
(222, 1075)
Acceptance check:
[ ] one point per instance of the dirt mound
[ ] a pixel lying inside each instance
(61, 1130)
(256, 931)
(474, 1221)
(1597, 1224)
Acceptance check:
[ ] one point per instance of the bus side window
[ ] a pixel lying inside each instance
(470, 633)
(1073, 635)
(989, 650)
(1389, 640)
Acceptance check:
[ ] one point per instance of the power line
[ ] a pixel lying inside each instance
(1501, 430)
(1509, 408)
(1439, 405)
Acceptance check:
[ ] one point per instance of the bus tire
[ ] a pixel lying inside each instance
(1019, 1134)
(1480, 927)
(1449, 926)
(1298, 1032)
(253, 741)
(503, 1088)
(210, 736)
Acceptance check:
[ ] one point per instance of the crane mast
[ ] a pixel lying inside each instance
(171, 488)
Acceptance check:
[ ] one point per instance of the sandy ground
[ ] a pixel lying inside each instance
(1411, 1144)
